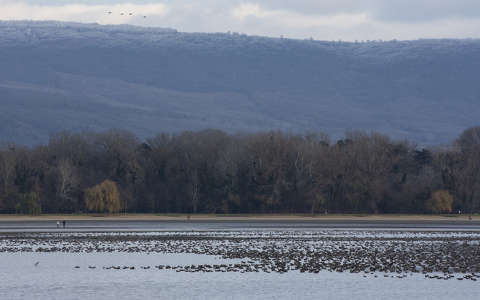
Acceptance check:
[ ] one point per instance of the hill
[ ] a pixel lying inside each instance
(67, 76)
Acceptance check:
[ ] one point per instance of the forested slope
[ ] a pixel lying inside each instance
(65, 76)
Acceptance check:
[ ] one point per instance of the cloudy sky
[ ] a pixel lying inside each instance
(320, 19)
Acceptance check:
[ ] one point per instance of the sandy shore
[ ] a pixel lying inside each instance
(250, 217)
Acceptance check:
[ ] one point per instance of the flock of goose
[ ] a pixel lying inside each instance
(123, 14)
(257, 267)
(437, 256)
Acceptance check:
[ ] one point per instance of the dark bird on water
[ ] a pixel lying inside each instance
(36, 264)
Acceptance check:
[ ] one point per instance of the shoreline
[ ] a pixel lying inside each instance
(244, 217)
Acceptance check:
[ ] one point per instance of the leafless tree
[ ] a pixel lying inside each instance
(67, 182)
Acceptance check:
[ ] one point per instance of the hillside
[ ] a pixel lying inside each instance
(67, 76)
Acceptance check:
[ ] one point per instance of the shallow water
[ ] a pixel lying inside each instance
(56, 276)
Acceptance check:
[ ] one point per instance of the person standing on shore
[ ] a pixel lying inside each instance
(58, 224)
(64, 223)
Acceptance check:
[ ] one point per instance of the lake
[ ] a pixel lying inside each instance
(241, 263)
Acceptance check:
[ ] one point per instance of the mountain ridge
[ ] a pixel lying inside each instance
(69, 76)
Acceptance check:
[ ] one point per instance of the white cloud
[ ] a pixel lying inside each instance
(297, 20)
(249, 9)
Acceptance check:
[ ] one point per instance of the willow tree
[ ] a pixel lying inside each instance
(440, 202)
(103, 197)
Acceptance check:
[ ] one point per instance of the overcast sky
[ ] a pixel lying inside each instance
(320, 19)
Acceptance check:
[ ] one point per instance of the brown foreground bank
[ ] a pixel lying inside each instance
(249, 217)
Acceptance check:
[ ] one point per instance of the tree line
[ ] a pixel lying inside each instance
(211, 171)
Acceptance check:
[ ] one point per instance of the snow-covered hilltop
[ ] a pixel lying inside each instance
(56, 76)
(38, 32)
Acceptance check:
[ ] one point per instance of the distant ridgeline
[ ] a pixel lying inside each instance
(66, 76)
(214, 172)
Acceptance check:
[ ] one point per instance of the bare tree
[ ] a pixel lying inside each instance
(7, 167)
(67, 183)
(469, 138)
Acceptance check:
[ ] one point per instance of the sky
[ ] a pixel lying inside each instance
(346, 20)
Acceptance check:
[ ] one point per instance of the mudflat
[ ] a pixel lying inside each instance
(137, 222)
